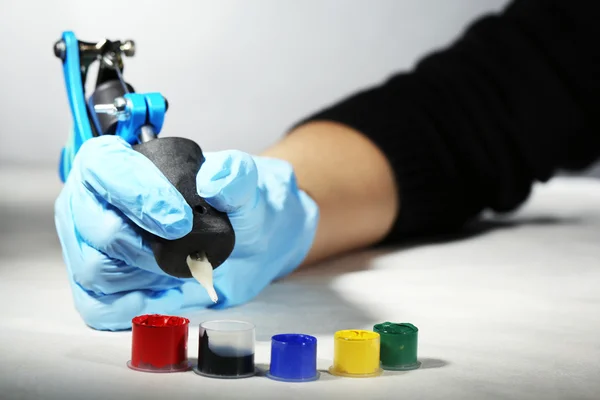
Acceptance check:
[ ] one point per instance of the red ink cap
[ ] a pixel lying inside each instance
(159, 343)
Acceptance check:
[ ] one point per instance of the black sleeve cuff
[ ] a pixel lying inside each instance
(432, 199)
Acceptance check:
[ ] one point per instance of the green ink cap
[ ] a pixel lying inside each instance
(398, 344)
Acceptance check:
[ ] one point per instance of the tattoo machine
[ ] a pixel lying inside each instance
(114, 108)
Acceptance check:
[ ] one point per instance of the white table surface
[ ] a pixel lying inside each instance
(510, 313)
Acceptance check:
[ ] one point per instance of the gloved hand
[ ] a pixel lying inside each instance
(112, 192)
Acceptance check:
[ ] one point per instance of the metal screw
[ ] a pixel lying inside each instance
(120, 104)
(128, 48)
(117, 109)
(108, 60)
(60, 49)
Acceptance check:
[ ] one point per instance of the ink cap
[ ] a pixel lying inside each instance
(159, 343)
(293, 358)
(226, 349)
(356, 354)
(399, 344)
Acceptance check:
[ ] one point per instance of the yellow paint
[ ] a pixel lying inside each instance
(356, 353)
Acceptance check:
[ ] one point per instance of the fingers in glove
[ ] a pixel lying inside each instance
(97, 273)
(112, 172)
(228, 180)
(107, 229)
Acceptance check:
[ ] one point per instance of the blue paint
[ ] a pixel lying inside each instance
(293, 358)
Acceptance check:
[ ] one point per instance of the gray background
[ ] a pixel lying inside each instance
(237, 73)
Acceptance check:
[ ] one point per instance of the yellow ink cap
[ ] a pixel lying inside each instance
(356, 354)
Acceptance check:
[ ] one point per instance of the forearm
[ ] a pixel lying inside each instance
(474, 126)
(349, 178)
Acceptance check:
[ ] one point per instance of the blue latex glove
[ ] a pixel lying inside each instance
(113, 191)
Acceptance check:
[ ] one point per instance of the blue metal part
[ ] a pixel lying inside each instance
(142, 109)
(136, 111)
(156, 110)
(82, 130)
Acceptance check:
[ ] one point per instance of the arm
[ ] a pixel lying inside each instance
(350, 179)
(471, 128)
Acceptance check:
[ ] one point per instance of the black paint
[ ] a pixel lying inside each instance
(213, 364)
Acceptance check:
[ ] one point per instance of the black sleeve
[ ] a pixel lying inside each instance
(473, 126)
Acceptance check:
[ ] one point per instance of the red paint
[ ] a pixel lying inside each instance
(159, 342)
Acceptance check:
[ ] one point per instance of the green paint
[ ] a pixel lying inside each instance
(399, 342)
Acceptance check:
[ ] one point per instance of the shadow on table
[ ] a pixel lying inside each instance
(325, 375)
(302, 303)
(27, 231)
(488, 225)
(306, 302)
(432, 363)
